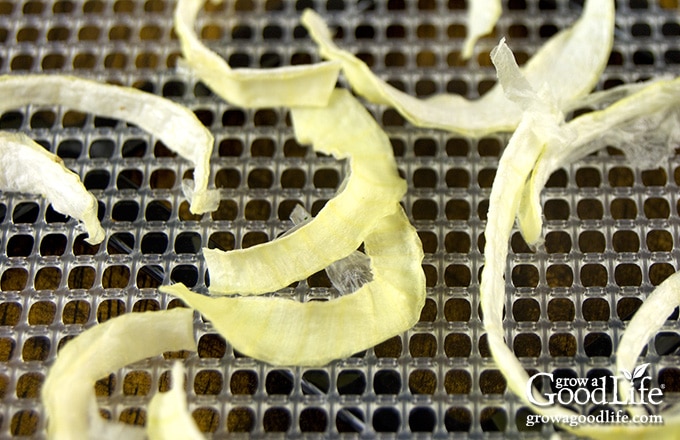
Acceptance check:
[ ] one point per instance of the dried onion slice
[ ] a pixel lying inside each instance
(648, 319)
(284, 86)
(648, 116)
(538, 122)
(68, 395)
(172, 123)
(29, 168)
(286, 332)
(373, 188)
(538, 130)
(481, 19)
(571, 61)
(169, 417)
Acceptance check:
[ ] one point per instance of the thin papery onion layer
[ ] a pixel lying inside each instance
(571, 62)
(286, 332)
(346, 130)
(27, 167)
(169, 417)
(644, 124)
(539, 128)
(539, 120)
(600, 99)
(175, 125)
(68, 393)
(300, 85)
(346, 275)
(481, 19)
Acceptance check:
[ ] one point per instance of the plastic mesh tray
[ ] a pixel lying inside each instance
(610, 228)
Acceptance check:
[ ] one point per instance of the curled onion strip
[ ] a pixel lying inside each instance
(571, 62)
(68, 395)
(285, 332)
(529, 145)
(28, 168)
(172, 123)
(539, 122)
(284, 86)
(371, 191)
(649, 117)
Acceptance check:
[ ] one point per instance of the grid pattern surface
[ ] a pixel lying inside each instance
(609, 235)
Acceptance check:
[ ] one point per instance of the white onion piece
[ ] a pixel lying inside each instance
(644, 124)
(539, 121)
(175, 125)
(539, 128)
(27, 167)
(570, 62)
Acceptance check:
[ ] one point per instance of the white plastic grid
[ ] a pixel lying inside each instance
(609, 234)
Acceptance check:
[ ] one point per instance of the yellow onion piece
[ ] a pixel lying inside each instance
(169, 417)
(481, 19)
(288, 86)
(28, 168)
(68, 392)
(571, 62)
(346, 130)
(644, 124)
(286, 332)
(540, 122)
(175, 125)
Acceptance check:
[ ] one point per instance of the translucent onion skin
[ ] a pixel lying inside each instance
(175, 125)
(286, 332)
(27, 167)
(570, 62)
(301, 85)
(646, 115)
(373, 188)
(68, 395)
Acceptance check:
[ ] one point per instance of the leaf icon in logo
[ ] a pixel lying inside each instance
(639, 371)
(626, 374)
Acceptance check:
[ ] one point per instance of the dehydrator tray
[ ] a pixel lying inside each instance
(609, 234)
